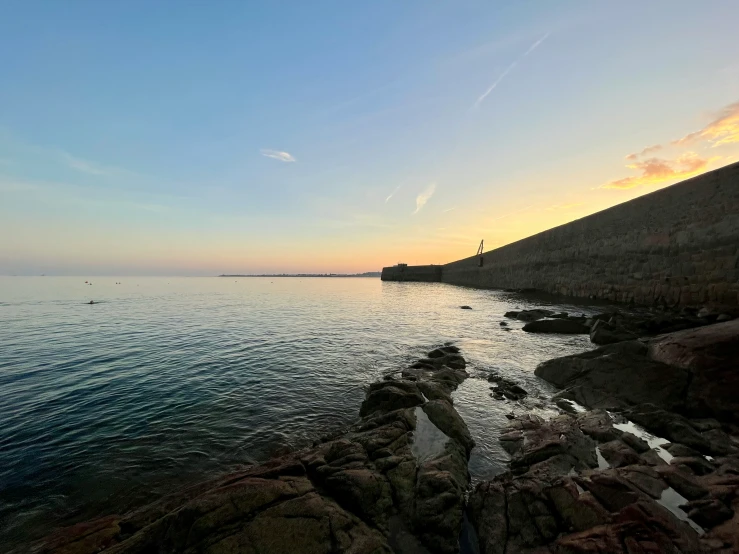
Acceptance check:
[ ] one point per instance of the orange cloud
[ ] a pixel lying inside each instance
(647, 150)
(655, 171)
(722, 130)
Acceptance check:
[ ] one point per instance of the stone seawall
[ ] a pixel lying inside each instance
(677, 246)
(426, 273)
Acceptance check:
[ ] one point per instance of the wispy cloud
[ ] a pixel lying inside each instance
(86, 166)
(654, 171)
(724, 129)
(277, 155)
(647, 150)
(449, 210)
(392, 194)
(508, 69)
(422, 198)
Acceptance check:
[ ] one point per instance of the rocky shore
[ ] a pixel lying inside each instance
(653, 467)
(395, 481)
(643, 458)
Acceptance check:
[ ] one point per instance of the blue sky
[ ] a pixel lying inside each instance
(195, 138)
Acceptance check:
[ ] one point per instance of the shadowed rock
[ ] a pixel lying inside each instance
(561, 326)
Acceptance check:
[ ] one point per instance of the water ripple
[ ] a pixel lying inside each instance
(166, 381)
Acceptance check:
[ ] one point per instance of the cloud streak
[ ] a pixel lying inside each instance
(277, 155)
(424, 197)
(392, 194)
(507, 70)
(724, 129)
(648, 150)
(86, 166)
(654, 171)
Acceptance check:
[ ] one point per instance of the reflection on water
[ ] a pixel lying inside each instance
(428, 440)
(169, 380)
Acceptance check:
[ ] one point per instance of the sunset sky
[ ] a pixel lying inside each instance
(197, 138)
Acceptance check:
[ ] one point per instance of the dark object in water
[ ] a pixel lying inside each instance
(466, 307)
(91, 302)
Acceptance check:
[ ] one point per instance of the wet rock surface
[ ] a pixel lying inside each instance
(690, 372)
(395, 481)
(573, 487)
(596, 481)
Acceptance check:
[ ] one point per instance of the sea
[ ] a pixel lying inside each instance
(167, 381)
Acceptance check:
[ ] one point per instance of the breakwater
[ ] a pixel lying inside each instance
(677, 246)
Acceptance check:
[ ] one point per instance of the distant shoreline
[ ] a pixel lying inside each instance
(375, 274)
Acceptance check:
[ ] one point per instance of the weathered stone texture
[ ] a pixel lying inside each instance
(678, 246)
(427, 273)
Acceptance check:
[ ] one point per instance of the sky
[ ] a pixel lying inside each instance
(199, 138)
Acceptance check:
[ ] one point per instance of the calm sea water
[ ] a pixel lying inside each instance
(166, 381)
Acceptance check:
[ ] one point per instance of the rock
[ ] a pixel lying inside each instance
(618, 454)
(669, 425)
(598, 425)
(707, 512)
(711, 355)
(635, 442)
(556, 500)
(443, 351)
(651, 458)
(604, 333)
(555, 437)
(466, 307)
(723, 317)
(445, 417)
(560, 315)
(611, 490)
(566, 406)
(434, 391)
(578, 510)
(616, 376)
(704, 425)
(680, 450)
(697, 465)
(506, 388)
(561, 326)
(387, 396)
(645, 479)
(503, 324)
(488, 514)
(684, 484)
(533, 315)
(512, 315)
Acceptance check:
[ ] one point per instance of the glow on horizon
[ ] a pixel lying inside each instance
(342, 142)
